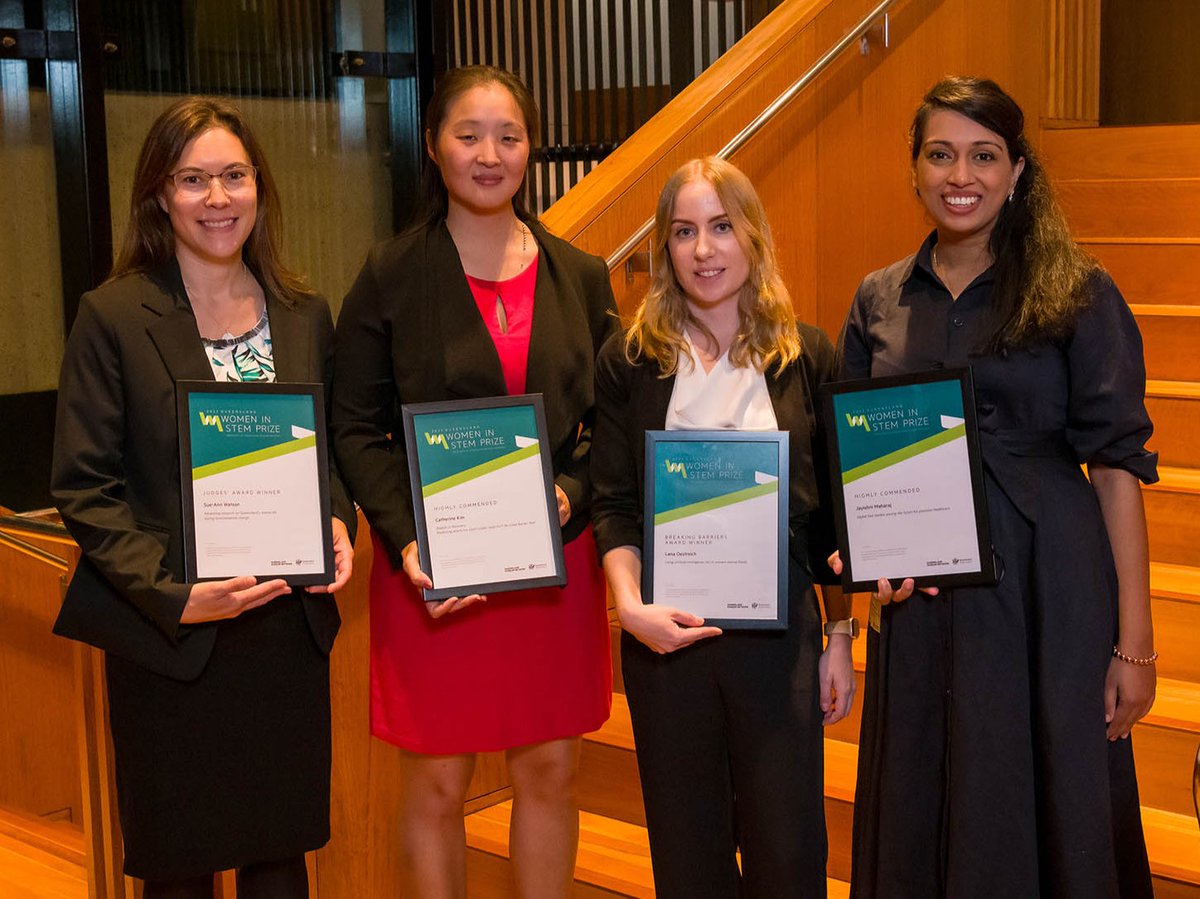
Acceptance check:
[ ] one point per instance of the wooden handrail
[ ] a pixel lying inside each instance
(596, 211)
(856, 33)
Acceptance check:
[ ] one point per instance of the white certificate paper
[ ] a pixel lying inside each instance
(254, 480)
(716, 521)
(911, 498)
(483, 497)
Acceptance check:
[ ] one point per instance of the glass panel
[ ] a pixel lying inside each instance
(326, 138)
(31, 301)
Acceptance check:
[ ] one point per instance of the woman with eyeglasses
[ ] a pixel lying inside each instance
(218, 691)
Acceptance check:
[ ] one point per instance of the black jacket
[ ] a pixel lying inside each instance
(410, 332)
(115, 474)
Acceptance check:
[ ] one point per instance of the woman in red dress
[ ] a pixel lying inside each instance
(479, 300)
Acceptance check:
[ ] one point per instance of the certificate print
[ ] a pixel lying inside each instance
(255, 494)
(911, 495)
(483, 477)
(716, 515)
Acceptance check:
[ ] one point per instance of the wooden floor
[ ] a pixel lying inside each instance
(40, 860)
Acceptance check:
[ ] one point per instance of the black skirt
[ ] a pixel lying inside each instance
(233, 767)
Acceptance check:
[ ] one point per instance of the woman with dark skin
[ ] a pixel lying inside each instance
(218, 691)
(995, 758)
(478, 300)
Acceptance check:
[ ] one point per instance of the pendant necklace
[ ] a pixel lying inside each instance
(501, 314)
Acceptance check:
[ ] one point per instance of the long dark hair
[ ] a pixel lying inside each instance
(435, 202)
(149, 240)
(1040, 272)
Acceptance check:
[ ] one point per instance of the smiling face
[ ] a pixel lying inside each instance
(211, 227)
(963, 174)
(481, 149)
(709, 262)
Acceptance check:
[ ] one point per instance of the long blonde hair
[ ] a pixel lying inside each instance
(767, 334)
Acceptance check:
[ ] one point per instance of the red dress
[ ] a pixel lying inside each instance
(523, 667)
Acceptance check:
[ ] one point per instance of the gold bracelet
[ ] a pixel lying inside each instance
(1141, 663)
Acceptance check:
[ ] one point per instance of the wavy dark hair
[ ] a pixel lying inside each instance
(149, 240)
(1041, 274)
(435, 202)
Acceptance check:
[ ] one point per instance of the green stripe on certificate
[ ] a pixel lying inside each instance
(716, 502)
(906, 452)
(525, 452)
(270, 452)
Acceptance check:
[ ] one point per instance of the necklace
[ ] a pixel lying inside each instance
(224, 325)
(501, 312)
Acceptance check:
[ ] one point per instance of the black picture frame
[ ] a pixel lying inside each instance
(185, 391)
(411, 412)
(865, 389)
(658, 442)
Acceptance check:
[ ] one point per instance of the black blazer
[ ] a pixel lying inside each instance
(632, 399)
(410, 332)
(115, 473)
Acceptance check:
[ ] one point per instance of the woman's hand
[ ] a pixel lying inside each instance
(564, 506)
(663, 628)
(435, 607)
(836, 675)
(218, 600)
(343, 560)
(1128, 695)
(884, 593)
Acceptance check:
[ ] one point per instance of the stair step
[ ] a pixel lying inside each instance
(1175, 605)
(1173, 842)
(1153, 151)
(1170, 334)
(1151, 272)
(1174, 407)
(1173, 515)
(1143, 207)
(613, 855)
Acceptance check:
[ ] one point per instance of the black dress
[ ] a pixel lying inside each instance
(220, 729)
(984, 770)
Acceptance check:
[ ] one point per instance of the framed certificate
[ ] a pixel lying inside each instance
(254, 470)
(716, 525)
(483, 495)
(908, 481)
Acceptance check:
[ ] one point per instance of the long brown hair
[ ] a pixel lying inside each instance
(435, 201)
(1040, 273)
(149, 240)
(767, 333)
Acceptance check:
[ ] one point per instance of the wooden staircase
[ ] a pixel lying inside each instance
(1133, 199)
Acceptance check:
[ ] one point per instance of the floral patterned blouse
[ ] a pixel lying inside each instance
(244, 358)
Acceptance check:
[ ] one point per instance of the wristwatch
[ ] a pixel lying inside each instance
(847, 626)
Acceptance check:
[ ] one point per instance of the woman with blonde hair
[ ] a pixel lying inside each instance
(715, 344)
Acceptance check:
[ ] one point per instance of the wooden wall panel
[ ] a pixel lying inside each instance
(833, 168)
(362, 858)
(39, 753)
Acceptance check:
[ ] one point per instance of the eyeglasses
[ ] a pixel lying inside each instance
(197, 182)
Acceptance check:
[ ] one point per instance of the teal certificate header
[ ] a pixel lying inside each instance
(908, 497)
(483, 495)
(716, 525)
(254, 478)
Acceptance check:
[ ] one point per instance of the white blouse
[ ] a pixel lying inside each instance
(725, 398)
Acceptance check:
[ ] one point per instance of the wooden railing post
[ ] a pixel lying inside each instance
(1072, 64)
